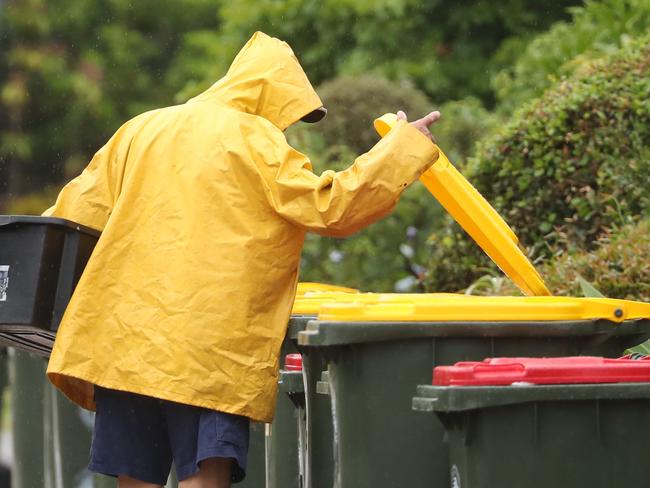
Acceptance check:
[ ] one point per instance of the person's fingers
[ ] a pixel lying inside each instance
(401, 115)
(431, 118)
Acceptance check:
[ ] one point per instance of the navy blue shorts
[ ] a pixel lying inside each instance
(138, 436)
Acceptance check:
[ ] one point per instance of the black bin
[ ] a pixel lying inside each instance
(41, 261)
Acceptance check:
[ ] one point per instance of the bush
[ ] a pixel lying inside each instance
(463, 123)
(353, 104)
(596, 29)
(578, 158)
(618, 268)
(570, 165)
(33, 203)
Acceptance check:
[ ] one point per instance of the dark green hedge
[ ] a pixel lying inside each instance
(568, 167)
(354, 103)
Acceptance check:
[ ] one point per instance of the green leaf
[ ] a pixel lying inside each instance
(588, 289)
(640, 349)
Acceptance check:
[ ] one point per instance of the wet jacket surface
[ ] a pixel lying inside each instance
(203, 209)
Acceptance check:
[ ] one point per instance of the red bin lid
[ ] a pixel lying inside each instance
(542, 371)
(293, 362)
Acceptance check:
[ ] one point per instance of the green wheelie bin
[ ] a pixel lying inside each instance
(5, 470)
(378, 353)
(289, 449)
(284, 450)
(566, 422)
(41, 261)
(261, 467)
(27, 384)
(319, 444)
(51, 435)
(273, 461)
(315, 443)
(302, 423)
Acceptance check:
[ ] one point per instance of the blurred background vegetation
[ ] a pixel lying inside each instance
(545, 109)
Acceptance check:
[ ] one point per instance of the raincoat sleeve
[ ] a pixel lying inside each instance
(338, 204)
(89, 198)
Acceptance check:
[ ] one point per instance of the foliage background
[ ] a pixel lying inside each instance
(544, 105)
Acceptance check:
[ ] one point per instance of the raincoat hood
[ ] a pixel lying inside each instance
(266, 79)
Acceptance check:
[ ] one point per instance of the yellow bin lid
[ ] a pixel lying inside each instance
(309, 287)
(477, 217)
(486, 309)
(311, 302)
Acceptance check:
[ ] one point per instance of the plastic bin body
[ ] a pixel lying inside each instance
(564, 436)
(286, 440)
(280, 437)
(265, 463)
(256, 468)
(319, 429)
(41, 261)
(51, 435)
(299, 441)
(374, 368)
(27, 384)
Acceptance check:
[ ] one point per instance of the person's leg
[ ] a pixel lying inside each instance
(209, 447)
(130, 439)
(126, 482)
(213, 473)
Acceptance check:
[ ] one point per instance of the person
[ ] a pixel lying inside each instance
(174, 330)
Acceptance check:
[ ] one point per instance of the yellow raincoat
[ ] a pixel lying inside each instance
(203, 209)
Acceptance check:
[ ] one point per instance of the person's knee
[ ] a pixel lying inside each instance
(128, 482)
(213, 473)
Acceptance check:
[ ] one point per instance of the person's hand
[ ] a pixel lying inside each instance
(422, 124)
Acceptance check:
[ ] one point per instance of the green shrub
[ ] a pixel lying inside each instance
(618, 268)
(578, 158)
(33, 203)
(353, 104)
(596, 29)
(569, 166)
(463, 123)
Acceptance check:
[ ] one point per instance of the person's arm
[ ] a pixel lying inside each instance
(341, 203)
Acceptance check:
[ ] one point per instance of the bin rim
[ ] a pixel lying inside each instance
(447, 399)
(337, 333)
(6, 220)
(297, 324)
(291, 382)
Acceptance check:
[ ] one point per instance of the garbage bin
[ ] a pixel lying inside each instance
(67, 437)
(285, 442)
(258, 468)
(565, 423)
(378, 353)
(319, 458)
(51, 435)
(27, 384)
(316, 446)
(41, 261)
(5, 472)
